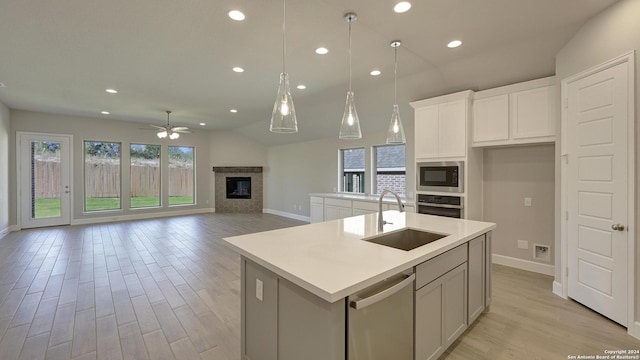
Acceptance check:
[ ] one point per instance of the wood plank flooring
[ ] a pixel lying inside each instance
(168, 289)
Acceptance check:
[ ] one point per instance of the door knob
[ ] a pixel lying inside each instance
(618, 227)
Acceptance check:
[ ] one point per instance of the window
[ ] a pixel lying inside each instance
(101, 175)
(352, 170)
(181, 175)
(390, 168)
(145, 175)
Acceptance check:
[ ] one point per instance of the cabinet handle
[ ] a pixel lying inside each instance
(370, 300)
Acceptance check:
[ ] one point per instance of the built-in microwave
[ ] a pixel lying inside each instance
(447, 176)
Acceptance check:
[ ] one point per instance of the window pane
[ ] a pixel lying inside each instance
(45, 179)
(181, 175)
(391, 171)
(145, 175)
(353, 170)
(101, 175)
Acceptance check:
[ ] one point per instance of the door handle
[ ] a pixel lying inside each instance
(618, 227)
(361, 303)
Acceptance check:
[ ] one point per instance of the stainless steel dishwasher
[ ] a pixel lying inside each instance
(380, 320)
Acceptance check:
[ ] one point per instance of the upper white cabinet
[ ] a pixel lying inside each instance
(441, 126)
(522, 113)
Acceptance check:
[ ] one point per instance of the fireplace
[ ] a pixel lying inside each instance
(238, 187)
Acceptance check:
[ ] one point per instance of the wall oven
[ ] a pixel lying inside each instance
(450, 206)
(445, 176)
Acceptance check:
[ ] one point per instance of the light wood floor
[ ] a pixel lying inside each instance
(168, 289)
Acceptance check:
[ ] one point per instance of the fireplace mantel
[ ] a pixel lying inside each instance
(237, 169)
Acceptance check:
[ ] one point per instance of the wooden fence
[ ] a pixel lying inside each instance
(102, 180)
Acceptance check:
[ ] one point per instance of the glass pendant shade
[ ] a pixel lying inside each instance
(162, 134)
(174, 135)
(350, 128)
(395, 134)
(283, 118)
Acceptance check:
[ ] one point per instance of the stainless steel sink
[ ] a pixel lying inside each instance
(407, 239)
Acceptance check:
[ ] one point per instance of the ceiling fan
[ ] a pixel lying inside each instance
(173, 132)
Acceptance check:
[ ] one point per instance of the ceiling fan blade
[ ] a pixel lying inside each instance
(182, 131)
(179, 128)
(158, 127)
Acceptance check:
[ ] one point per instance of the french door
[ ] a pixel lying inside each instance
(44, 179)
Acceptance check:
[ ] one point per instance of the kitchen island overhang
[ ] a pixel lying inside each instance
(333, 260)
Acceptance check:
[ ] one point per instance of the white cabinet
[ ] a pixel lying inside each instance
(515, 114)
(441, 126)
(491, 119)
(336, 209)
(533, 114)
(317, 209)
(364, 207)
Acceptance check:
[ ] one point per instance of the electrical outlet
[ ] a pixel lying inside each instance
(542, 252)
(523, 244)
(259, 289)
(527, 201)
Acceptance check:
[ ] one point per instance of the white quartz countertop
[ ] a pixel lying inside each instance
(332, 261)
(388, 199)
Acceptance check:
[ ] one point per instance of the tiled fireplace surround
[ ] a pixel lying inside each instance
(224, 205)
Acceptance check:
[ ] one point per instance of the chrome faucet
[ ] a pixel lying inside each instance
(381, 221)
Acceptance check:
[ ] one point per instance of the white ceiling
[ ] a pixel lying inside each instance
(59, 56)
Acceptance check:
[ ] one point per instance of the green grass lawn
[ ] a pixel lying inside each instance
(47, 208)
(51, 207)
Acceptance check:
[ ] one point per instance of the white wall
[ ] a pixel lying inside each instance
(510, 175)
(83, 128)
(295, 170)
(4, 169)
(611, 33)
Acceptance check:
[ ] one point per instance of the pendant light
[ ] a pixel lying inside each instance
(395, 134)
(350, 128)
(283, 117)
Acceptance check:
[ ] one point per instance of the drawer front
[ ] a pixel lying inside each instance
(337, 202)
(317, 200)
(363, 205)
(440, 265)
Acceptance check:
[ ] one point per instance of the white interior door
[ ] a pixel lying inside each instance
(597, 123)
(44, 177)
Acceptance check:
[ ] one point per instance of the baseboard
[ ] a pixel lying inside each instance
(634, 330)
(287, 215)
(557, 289)
(523, 264)
(5, 231)
(129, 217)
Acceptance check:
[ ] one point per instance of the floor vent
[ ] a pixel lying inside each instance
(542, 252)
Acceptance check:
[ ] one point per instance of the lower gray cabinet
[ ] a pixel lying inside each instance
(477, 268)
(441, 313)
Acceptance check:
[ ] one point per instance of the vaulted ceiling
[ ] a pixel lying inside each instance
(60, 56)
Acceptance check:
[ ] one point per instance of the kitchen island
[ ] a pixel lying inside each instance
(296, 282)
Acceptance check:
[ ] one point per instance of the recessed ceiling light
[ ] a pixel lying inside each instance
(111, 91)
(402, 6)
(105, 112)
(233, 111)
(238, 69)
(454, 44)
(375, 72)
(202, 124)
(301, 87)
(236, 15)
(322, 51)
